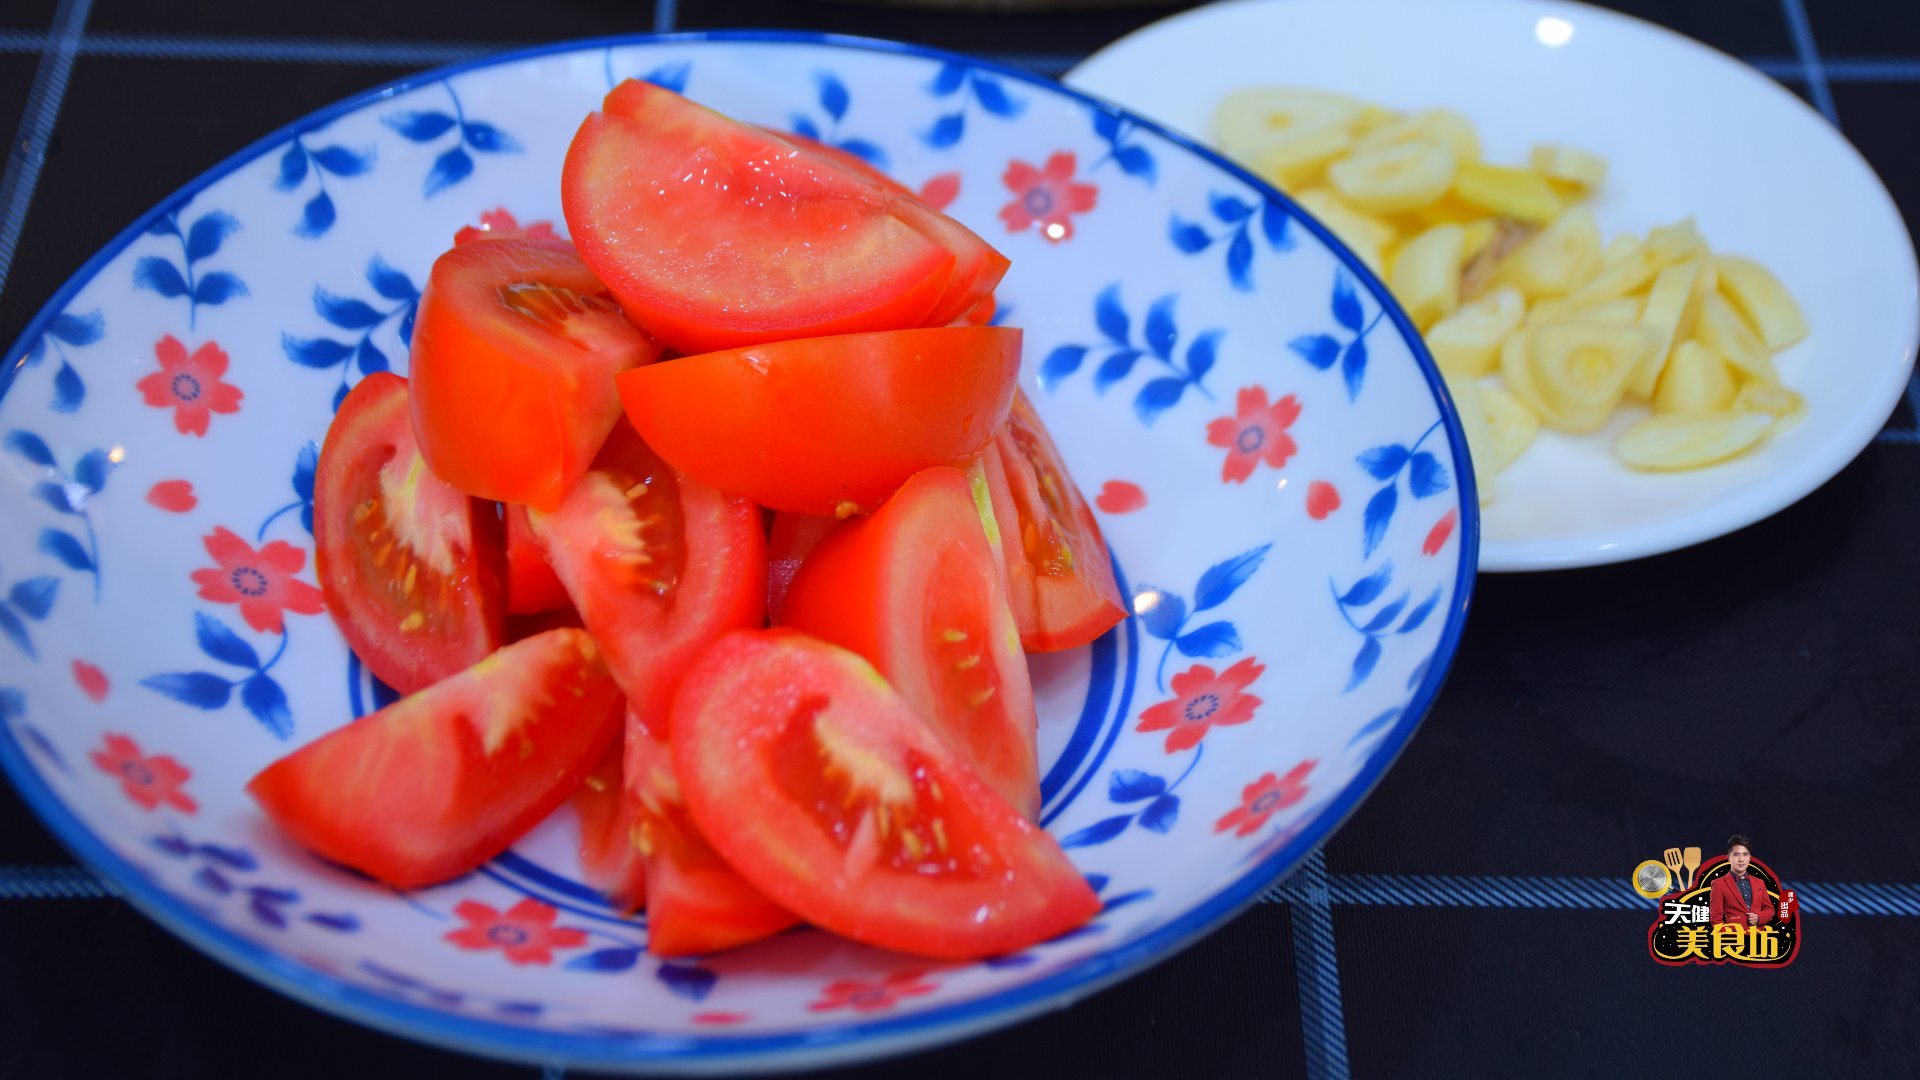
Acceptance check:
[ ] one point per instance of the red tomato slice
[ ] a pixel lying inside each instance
(657, 565)
(981, 314)
(609, 835)
(532, 586)
(850, 162)
(822, 787)
(514, 352)
(1059, 575)
(827, 425)
(792, 538)
(977, 268)
(916, 589)
(696, 903)
(437, 783)
(412, 569)
(714, 234)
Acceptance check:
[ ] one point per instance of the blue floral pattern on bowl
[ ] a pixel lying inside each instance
(1296, 541)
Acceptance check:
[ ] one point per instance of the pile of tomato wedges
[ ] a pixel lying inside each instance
(727, 521)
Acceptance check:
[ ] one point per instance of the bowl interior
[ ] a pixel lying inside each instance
(1273, 464)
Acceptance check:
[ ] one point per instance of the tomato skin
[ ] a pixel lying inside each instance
(434, 603)
(609, 854)
(657, 564)
(1059, 573)
(716, 234)
(788, 748)
(514, 349)
(439, 782)
(532, 586)
(827, 426)
(916, 589)
(696, 903)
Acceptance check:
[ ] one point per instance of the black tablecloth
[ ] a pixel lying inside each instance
(1472, 917)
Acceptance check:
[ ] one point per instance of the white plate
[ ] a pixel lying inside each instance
(1687, 130)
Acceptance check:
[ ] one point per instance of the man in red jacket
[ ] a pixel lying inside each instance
(1736, 896)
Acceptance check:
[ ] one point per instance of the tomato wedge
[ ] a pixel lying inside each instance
(916, 590)
(532, 586)
(790, 540)
(827, 425)
(412, 569)
(1059, 574)
(696, 903)
(977, 267)
(714, 234)
(437, 783)
(656, 563)
(514, 351)
(825, 791)
(609, 839)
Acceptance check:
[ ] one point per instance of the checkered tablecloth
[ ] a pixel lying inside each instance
(1471, 919)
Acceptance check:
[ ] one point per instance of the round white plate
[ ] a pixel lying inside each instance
(1299, 545)
(1687, 131)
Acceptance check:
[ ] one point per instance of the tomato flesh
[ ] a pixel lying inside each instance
(609, 843)
(713, 233)
(916, 590)
(514, 352)
(657, 564)
(977, 267)
(832, 425)
(825, 790)
(532, 586)
(413, 570)
(439, 782)
(1059, 574)
(696, 903)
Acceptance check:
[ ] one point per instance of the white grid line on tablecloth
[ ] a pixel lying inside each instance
(1340, 890)
(1843, 69)
(318, 50)
(1803, 44)
(1316, 966)
(279, 50)
(22, 172)
(1562, 893)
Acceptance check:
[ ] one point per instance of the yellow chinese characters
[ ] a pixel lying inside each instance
(1728, 941)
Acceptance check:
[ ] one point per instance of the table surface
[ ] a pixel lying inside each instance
(1470, 917)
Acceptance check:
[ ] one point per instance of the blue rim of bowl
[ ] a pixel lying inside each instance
(835, 1043)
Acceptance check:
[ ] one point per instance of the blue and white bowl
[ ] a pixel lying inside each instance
(1278, 471)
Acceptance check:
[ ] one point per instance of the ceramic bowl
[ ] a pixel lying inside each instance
(1274, 462)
